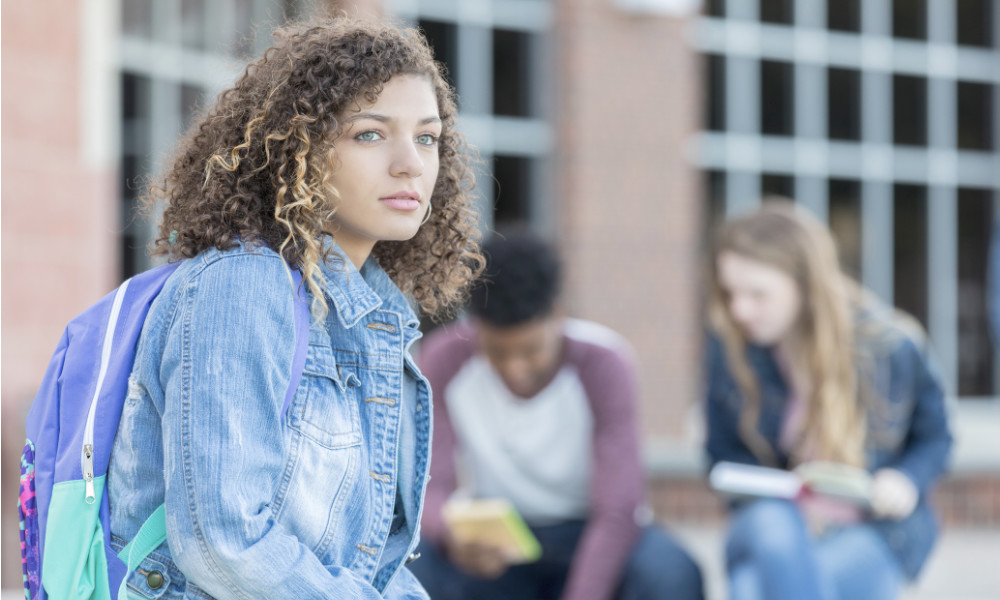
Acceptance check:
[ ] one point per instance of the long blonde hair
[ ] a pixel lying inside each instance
(790, 240)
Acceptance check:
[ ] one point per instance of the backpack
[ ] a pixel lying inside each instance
(71, 427)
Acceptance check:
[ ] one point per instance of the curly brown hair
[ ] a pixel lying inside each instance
(256, 165)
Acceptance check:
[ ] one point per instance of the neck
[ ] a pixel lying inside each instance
(356, 248)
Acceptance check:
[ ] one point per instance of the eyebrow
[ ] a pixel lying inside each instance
(386, 119)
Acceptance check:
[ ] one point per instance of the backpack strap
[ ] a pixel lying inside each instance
(302, 317)
(154, 531)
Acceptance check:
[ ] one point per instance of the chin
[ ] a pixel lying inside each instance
(401, 233)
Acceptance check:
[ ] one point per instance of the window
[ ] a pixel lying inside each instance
(975, 343)
(844, 104)
(776, 106)
(910, 249)
(715, 8)
(776, 188)
(442, 39)
(780, 12)
(160, 99)
(715, 92)
(843, 15)
(511, 73)
(909, 110)
(512, 181)
(715, 203)
(845, 223)
(909, 19)
(975, 116)
(973, 22)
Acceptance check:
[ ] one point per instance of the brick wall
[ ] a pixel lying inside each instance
(962, 500)
(627, 208)
(59, 217)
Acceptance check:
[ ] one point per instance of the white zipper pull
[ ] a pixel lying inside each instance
(88, 472)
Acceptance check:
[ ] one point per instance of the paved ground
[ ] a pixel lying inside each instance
(965, 565)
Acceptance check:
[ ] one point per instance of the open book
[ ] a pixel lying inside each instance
(492, 522)
(834, 480)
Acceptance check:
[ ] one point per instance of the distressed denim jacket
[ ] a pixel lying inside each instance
(324, 502)
(906, 418)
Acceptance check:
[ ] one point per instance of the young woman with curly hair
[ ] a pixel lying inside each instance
(333, 156)
(803, 365)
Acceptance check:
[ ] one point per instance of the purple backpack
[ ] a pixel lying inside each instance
(63, 500)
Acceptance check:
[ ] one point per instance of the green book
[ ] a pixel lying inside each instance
(493, 522)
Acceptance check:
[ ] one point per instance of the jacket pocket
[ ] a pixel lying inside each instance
(324, 408)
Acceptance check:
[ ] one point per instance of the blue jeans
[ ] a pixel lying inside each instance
(771, 555)
(657, 568)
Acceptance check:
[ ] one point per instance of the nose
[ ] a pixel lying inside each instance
(406, 161)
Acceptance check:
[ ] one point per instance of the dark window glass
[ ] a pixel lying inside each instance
(511, 73)
(137, 18)
(909, 104)
(243, 36)
(715, 202)
(715, 8)
(909, 19)
(975, 344)
(843, 15)
(715, 92)
(973, 23)
(910, 250)
(442, 38)
(777, 11)
(844, 104)
(135, 130)
(845, 223)
(192, 23)
(512, 178)
(191, 98)
(776, 107)
(776, 188)
(975, 116)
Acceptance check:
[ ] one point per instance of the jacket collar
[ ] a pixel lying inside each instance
(355, 294)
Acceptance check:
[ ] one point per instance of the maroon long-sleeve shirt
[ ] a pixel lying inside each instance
(606, 372)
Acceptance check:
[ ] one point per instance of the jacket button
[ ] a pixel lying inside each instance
(154, 579)
(412, 557)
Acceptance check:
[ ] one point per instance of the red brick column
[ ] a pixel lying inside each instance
(628, 210)
(60, 217)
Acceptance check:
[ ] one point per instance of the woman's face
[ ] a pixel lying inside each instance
(385, 166)
(763, 300)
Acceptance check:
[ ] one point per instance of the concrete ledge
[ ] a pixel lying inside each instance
(976, 427)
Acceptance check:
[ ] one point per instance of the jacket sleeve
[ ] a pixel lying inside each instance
(617, 482)
(928, 442)
(225, 372)
(405, 587)
(722, 410)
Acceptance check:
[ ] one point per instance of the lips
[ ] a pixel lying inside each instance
(402, 200)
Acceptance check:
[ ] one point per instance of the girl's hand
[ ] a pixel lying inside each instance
(894, 496)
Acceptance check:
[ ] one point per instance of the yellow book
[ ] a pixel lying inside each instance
(493, 522)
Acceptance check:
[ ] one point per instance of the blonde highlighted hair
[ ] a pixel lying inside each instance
(783, 237)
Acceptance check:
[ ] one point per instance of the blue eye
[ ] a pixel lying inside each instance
(427, 139)
(368, 136)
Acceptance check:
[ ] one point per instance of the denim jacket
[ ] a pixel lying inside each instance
(907, 420)
(259, 505)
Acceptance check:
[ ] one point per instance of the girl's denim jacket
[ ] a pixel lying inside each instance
(259, 505)
(906, 417)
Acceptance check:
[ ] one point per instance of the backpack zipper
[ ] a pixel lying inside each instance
(87, 460)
